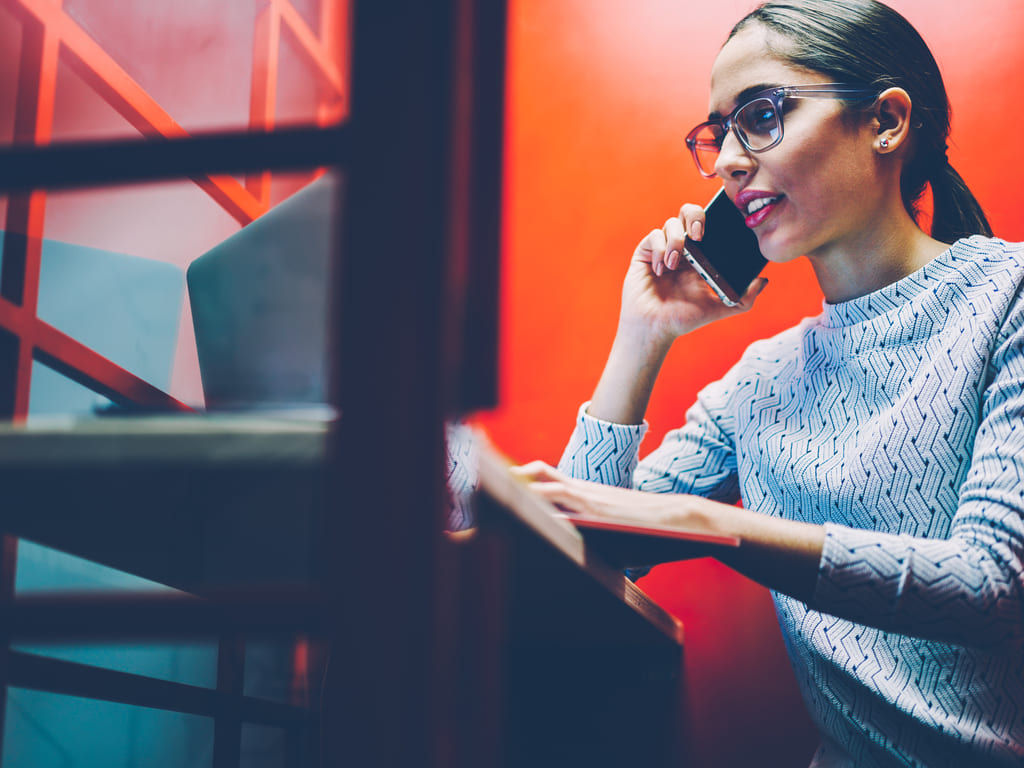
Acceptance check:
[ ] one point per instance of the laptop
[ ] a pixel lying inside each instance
(259, 304)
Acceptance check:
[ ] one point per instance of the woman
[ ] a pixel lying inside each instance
(878, 449)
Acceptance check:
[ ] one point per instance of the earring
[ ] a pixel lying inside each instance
(885, 143)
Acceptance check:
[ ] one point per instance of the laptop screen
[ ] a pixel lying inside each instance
(259, 304)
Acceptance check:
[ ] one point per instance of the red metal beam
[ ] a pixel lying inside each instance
(263, 93)
(99, 70)
(89, 368)
(33, 124)
(321, 55)
(81, 363)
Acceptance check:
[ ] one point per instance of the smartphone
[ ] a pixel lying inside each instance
(728, 257)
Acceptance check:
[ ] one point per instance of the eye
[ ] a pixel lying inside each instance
(764, 115)
(758, 117)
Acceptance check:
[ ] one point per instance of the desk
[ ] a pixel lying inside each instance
(557, 658)
(588, 667)
(189, 501)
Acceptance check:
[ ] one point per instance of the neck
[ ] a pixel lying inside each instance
(887, 250)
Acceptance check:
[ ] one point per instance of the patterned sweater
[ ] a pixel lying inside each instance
(896, 420)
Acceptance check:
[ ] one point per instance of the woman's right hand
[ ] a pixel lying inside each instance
(663, 297)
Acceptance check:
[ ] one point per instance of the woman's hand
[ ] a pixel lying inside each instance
(584, 497)
(780, 554)
(663, 297)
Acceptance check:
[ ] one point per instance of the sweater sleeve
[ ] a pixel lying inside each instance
(967, 589)
(698, 458)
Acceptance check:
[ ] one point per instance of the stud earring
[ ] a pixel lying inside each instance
(885, 143)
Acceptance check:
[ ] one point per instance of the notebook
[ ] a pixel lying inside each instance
(259, 304)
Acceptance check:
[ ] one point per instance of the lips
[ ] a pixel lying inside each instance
(757, 205)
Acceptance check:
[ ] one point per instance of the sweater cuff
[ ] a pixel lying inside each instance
(602, 451)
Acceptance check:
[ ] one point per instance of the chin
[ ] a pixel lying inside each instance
(777, 250)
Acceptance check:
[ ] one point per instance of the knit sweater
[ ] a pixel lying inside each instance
(896, 421)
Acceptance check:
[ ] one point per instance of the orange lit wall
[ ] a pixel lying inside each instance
(601, 94)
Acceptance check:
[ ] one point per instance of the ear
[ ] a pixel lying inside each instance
(892, 119)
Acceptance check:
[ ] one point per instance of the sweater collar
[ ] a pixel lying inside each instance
(894, 295)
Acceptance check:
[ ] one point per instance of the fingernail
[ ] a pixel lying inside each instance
(673, 260)
(696, 230)
(659, 268)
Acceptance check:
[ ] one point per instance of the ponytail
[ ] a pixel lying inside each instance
(957, 212)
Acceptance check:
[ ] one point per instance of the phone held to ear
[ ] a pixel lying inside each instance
(728, 257)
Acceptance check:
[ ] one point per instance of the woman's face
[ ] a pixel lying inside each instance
(820, 182)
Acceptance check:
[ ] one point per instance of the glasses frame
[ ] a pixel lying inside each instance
(776, 95)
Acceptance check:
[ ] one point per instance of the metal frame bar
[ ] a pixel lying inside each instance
(44, 673)
(94, 163)
(45, 618)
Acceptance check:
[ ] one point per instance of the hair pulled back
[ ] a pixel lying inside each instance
(865, 41)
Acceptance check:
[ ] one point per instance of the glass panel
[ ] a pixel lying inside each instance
(46, 730)
(308, 89)
(263, 747)
(113, 276)
(42, 570)
(52, 394)
(202, 66)
(268, 669)
(309, 10)
(113, 270)
(192, 57)
(188, 663)
(125, 308)
(172, 222)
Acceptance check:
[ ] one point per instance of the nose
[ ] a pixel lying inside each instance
(733, 158)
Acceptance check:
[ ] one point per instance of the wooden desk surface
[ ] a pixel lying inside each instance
(550, 544)
(189, 501)
(199, 501)
(291, 437)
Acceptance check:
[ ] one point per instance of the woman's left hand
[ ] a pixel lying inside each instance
(585, 497)
(779, 554)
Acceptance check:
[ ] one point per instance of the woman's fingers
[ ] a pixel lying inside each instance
(665, 248)
(692, 218)
(570, 496)
(652, 250)
(675, 243)
(537, 472)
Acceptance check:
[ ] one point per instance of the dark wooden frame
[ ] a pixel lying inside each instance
(419, 153)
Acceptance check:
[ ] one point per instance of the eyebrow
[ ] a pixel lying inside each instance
(744, 96)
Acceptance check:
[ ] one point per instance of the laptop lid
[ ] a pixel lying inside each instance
(259, 304)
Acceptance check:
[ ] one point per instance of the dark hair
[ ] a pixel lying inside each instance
(865, 41)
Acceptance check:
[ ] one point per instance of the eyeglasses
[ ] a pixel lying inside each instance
(758, 122)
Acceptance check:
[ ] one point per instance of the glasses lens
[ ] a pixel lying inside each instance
(759, 124)
(706, 141)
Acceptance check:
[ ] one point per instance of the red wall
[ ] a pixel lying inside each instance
(601, 94)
